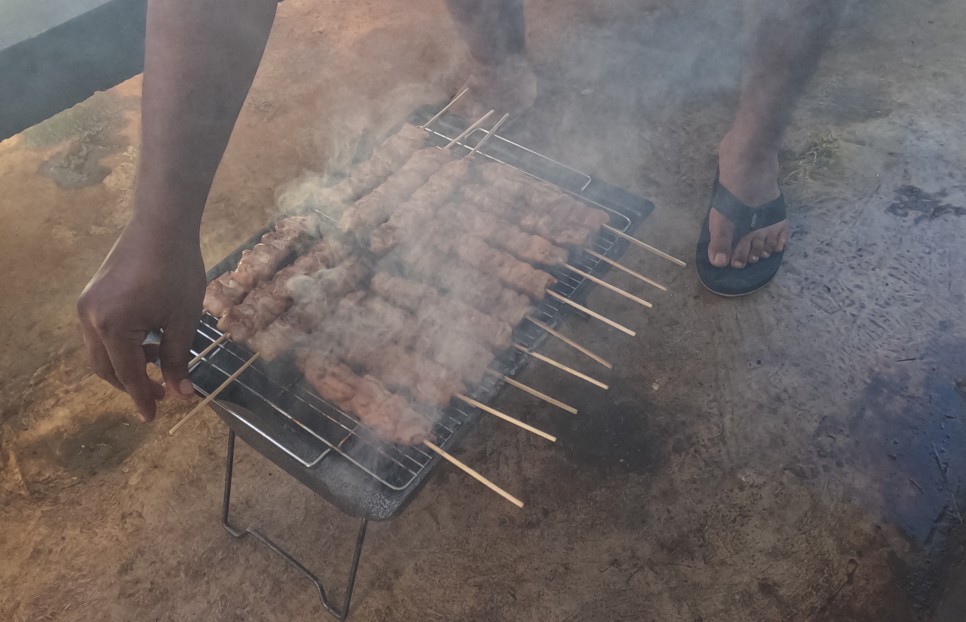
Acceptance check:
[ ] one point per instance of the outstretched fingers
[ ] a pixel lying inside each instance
(175, 356)
(130, 367)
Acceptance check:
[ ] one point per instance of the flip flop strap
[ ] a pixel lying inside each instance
(744, 218)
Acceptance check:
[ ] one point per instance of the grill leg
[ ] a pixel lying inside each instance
(340, 613)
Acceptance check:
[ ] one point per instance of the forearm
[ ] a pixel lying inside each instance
(200, 60)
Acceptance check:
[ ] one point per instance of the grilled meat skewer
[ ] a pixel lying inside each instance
(425, 300)
(542, 197)
(290, 235)
(387, 414)
(421, 205)
(374, 208)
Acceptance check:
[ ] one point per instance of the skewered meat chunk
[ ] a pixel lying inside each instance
(385, 159)
(383, 412)
(474, 251)
(420, 206)
(477, 289)
(398, 368)
(500, 234)
(531, 220)
(222, 294)
(541, 195)
(420, 298)
(315, 297)
(290, 235)
(278, 337)
(374, 208)
(518, 275)
(269, 299)
(372, 319)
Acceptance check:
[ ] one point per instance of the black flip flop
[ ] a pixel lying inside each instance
(734, 281)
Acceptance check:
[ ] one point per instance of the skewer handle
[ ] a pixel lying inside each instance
(474, 474)
(643, 245)
(626, 270)
(562, 367)
(506, 417)
(590, 277)
(445, 108)
(591, 313)
(215, 393)
(489, 134)
(214, 344)
(538, 394)
(570, 342)
(469, 130)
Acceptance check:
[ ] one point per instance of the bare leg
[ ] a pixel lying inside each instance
(784, 40)
(494, 32)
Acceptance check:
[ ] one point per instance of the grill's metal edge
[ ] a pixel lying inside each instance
(632, 208)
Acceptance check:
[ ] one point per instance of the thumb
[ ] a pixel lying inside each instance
(175, 355)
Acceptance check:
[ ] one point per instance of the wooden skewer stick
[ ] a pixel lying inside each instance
(489, 134)
(474, 474)
(445, 108)
(606, 285)
(561, 366)
(538, 394)
(570, 342)
(626, 270)
(215, 393)
(505, 417)
(593, 314)
(644, 245)
(214, 344)
(469, 130)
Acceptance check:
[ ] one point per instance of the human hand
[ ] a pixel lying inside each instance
(152, 279)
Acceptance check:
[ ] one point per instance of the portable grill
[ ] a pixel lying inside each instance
(273, 409)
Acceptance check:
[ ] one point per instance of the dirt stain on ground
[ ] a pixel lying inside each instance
(93, 447)
(922, 205)
(615, 435)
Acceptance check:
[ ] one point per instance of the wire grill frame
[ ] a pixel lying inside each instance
(342, 434)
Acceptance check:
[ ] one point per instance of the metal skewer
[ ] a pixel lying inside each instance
(606, 285)
(643, 245)
(570, 342)
(469, 130)
(561, 366)
(215, 393)
(505, 417)
(489, 134)
(444, 109)
(538, 394)
(626, 270)
(591, 313)
(474, 474)
(214, 344)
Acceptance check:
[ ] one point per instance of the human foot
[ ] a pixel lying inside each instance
(751, 176)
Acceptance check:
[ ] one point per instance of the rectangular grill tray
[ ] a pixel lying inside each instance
(275, 411)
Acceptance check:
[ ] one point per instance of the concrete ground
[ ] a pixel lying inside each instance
(793, 456)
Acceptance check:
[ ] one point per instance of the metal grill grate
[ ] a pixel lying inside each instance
(277, 405)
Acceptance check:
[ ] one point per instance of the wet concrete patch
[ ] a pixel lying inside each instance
(921, 205)
(94, 447)
(621, 434)
(77, 166)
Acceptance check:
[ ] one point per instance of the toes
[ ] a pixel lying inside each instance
(757, 248)
(739, 257)
(782, 241)
(771, 244)
(719, 249)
